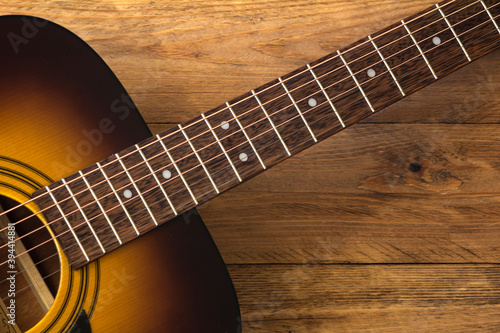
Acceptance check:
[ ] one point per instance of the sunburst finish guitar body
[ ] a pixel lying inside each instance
(63, 109)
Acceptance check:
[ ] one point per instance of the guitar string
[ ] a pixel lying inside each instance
(274, 85)
(162, 200)
(57, 253)
(228, 135)
(236, 146)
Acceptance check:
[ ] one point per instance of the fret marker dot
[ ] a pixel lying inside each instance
(436, 40)
(243, 157)
(371, 72)
(166, 174)
(127, 194)
(224, 125)
(312, 102)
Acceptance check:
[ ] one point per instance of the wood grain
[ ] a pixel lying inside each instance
(427, 240)
(351, 298)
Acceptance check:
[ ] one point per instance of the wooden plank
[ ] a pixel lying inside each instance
(381, 298)
(194, 55)
(376, 158)
(175, 54)
(334, 228)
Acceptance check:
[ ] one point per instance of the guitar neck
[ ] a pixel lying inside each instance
(118, 199)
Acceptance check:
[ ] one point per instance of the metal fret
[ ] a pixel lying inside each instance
(246, 135)
(454, 33)
(177, 169)
(137, 189)
(118, 197)
(386, 65)
(271, 122)
(298, 110)
(84, 215)
(100, 206)
(199, 159)
(221, 147)
(326, 95)
(355, 80)
(491, 16)
(68, 224)
(419, 49)
(156, 178)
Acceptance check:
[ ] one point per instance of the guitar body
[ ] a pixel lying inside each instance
(62, 110)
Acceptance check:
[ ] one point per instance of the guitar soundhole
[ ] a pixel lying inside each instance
(37, 270)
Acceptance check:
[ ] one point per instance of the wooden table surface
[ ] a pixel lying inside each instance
(343, 237)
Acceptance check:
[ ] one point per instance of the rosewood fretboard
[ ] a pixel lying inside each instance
(118, 199)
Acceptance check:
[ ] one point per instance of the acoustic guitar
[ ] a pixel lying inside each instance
(119, 246)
